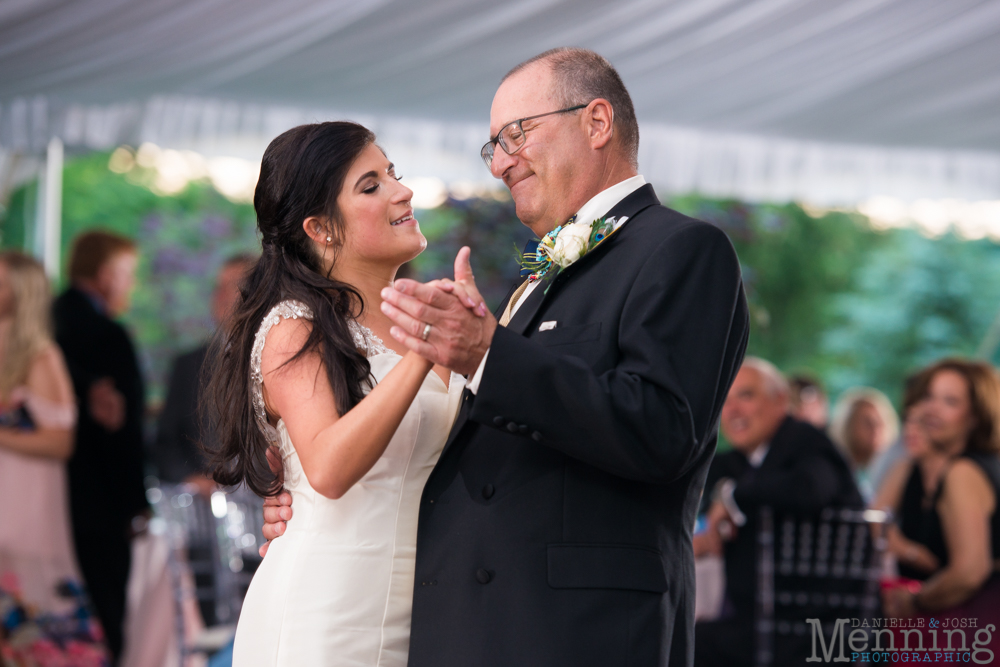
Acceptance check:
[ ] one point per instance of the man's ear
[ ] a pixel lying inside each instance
(600, 122)
(318, 229)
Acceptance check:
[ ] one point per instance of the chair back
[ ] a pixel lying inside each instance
(216, 539)
(825, 566)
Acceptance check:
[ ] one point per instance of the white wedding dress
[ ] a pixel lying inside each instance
(337, 588)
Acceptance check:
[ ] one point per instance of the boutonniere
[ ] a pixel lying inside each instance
(563, 246)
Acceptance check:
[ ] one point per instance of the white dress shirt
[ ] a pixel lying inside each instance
(728, 488)
(596, 208)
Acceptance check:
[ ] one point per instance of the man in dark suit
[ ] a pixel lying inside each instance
(177, 452)
(556, 526)
(106, 470)
(776, 461)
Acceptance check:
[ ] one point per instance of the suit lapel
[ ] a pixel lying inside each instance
(630, 206)
(503, 303)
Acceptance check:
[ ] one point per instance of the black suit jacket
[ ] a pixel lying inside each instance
(178, 454)
(556, 527)
(106, 469)
(802, 473)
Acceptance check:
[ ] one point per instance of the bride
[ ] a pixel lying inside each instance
(359, 425)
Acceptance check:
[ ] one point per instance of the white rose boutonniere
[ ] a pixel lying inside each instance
(565, 245)
(569, 245)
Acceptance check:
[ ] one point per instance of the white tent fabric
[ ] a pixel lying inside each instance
(830, 102)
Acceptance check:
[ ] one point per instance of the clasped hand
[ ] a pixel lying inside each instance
(461, 328)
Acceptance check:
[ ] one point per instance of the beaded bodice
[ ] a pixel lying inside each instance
(364, 340)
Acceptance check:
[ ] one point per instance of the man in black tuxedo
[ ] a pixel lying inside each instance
(776, 461)
(106, 470)
(556, 527)
(179, 433)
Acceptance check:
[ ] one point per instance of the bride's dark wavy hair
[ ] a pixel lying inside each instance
(301, 176)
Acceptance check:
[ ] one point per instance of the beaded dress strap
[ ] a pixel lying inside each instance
(364, 339)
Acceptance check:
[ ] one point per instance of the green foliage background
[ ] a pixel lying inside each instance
(828, 293)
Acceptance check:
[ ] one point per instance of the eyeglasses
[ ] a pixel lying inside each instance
(511, 136)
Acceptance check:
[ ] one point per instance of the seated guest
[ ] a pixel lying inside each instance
(106, 489)
(178, 437)
(958, 520)
(918, 476)
(776, 461)
(808, 401)
(864, 425)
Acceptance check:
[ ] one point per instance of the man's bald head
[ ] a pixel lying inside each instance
(581, 75)
(756, 406)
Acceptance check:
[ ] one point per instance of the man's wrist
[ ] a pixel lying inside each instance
(477, 376)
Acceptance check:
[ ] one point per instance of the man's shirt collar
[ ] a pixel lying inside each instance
(605, 200)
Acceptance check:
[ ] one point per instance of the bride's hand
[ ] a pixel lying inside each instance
(439, 326)
(464, 285)
(468, 297)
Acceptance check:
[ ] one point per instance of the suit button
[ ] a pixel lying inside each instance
(512, 427)
(499, 421)
(488, 491)
(536, 436)
(523, 428)
(484, 576)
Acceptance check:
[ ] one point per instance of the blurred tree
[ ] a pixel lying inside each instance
(794, 266)
(916, 300)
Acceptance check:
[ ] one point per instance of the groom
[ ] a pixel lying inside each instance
(556, 527)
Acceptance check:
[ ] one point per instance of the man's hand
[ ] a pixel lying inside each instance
(106, 404)
(460, 333)
(277, 509)
(720, 522)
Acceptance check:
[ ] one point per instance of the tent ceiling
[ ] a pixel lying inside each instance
(888, 72)
(884, 74)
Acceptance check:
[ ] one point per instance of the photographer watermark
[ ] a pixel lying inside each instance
(902, 640)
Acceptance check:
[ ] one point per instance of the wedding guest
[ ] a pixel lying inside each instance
(776, 461)
(956, 520)
(897, 452)
(106, 469)
(808, 401)
(37, 416)
(864, 425)
(918, 475)
(179, 435)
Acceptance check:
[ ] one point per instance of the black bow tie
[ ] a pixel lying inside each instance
(530, 248)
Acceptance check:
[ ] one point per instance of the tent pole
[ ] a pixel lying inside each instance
(51, 243)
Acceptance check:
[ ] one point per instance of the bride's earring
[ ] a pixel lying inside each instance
(329, 239)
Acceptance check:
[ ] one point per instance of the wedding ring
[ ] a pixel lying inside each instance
(427, 331)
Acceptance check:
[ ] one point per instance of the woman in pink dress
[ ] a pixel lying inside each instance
(41, 603)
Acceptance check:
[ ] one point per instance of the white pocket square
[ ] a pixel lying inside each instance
(545, 326)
